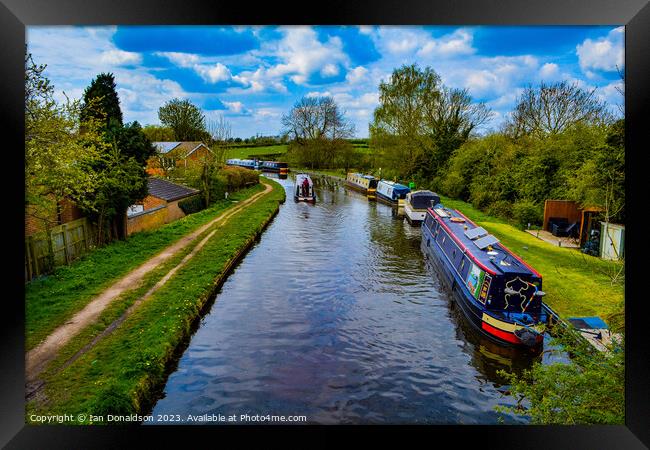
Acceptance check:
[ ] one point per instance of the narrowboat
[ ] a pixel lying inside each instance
(303, 189)
(416, 205)
(275, 166)
(362, 183)
(496, 290)
(391, 193)
(247, 163)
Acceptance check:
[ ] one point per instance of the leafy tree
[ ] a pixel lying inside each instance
(420, 122)
(185, 119)
(157, 133)
(119, 170)
(55, 148)
(107, 105)
(590, 389)
(553, 108)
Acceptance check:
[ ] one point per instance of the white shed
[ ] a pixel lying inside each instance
(612, 240)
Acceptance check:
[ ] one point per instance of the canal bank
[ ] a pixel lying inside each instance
(123, 371)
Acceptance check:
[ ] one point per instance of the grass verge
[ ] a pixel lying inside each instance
(52, 300)
(124, 372)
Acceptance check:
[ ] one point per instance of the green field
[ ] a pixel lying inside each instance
(248, 152)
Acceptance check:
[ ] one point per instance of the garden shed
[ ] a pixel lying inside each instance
(566, 217)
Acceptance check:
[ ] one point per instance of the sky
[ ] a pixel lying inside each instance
(252, 75)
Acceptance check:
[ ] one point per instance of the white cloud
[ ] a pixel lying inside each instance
(302, 55)
(236, 108)
(549, 71)
(356, 75)
(457, 43)
(119, 57)
(210, 72)
(604, 53)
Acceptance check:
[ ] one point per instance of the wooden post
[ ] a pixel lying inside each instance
(64, 231)
(28, 254)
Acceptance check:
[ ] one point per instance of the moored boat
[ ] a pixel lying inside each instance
(247, 163)
(303, 189)
(496, 290)
(416, 204)
(391, 193)
(366, 184)
(275, 166)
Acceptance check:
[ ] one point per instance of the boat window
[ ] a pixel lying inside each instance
(428, 242)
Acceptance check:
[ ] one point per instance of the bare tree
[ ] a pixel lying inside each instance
(316, 118)
(552, 108)
(220, 133)
(621, 90)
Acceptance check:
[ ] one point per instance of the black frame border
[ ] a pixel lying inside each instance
(16, 15)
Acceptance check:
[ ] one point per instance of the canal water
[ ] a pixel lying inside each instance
(335, 315)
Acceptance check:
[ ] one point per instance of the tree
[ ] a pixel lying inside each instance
(317, 129)
(419, 122)
(185, 119)
(55, 148)
(107, 104)
(119, 170)
(553, 108)
(588, 390)
(158, 133)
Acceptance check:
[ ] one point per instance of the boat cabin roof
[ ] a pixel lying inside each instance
(396, 186)
(484, 248)
(301, 176)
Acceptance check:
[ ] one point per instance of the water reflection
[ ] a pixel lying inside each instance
(334, 314)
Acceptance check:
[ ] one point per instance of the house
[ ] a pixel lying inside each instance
(159, 207)
(175, 154)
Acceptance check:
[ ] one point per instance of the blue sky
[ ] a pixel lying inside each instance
(252, 75)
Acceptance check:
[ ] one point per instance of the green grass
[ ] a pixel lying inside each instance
(51, 301)
(575, 284)
(122, 373)
(247, 152)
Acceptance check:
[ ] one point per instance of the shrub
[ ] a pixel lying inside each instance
(501, 208)
(526, 211)
(235, 178)
(192, 204)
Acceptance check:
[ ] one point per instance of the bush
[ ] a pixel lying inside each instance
(501, 208)
(235, 178)
(527, 211)
(192, 204)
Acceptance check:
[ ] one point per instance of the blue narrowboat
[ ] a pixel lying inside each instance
(496, 290)
(391, 193)
(275, 166)
(247, 163)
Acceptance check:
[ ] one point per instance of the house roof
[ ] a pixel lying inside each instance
(169, 191)
(182, 149)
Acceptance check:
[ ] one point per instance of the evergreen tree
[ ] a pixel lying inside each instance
(101, 101)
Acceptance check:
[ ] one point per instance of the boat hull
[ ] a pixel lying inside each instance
(497, 329)
(413, 216)
(370, 192)
(304, 199)
(389, 201)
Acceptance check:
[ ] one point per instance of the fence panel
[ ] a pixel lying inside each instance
(69, 241)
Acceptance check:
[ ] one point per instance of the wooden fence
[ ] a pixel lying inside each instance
(68, 242)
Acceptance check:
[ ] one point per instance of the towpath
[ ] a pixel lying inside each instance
(38, 358)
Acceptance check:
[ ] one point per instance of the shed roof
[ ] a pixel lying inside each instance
(169, 191)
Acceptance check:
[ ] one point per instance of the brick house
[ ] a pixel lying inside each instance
(159, 207)
(66, 211)
(175, 154)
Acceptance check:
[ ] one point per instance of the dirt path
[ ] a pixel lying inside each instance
(37, 358)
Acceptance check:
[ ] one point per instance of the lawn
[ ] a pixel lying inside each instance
(575, 284)
(51, 300)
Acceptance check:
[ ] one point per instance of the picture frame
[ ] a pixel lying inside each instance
(15, 15)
